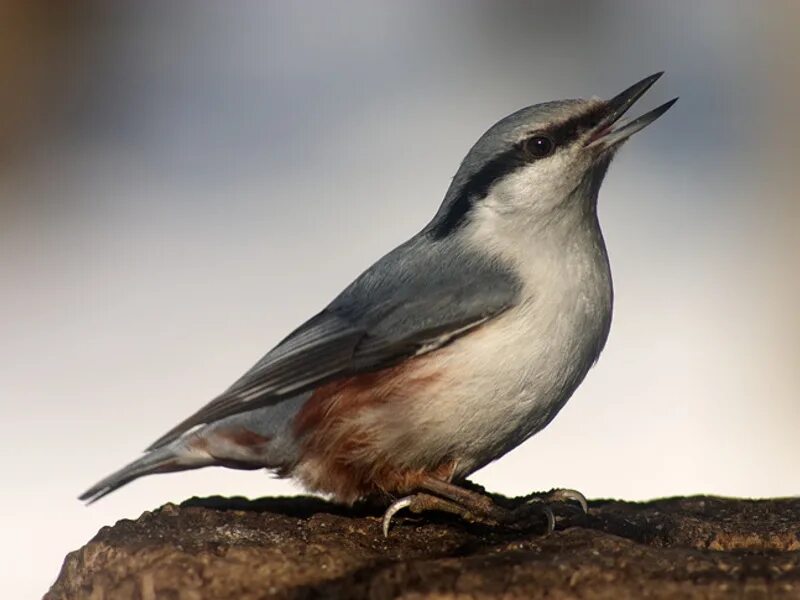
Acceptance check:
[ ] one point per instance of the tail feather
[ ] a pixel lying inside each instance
(163, 460)
(257, 439)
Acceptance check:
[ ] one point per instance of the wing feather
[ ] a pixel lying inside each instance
(419, 297)
(320, 348)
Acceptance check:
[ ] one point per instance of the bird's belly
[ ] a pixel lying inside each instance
(503, 383)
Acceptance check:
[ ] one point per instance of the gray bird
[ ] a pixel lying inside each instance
(452, 349)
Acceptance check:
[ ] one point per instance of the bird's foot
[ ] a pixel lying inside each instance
(533, 508)
(478, 508)
(422, 502)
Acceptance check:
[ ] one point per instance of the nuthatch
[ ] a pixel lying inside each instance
(452, 349)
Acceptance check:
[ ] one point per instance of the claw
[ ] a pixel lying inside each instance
(574, 495)
(551, 519)
(562, 495)
(393, 509)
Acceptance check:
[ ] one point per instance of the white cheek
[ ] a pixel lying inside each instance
(535, 188)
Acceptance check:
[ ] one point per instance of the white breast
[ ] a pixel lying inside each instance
(498, 385)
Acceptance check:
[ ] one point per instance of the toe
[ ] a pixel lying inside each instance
(393, 509)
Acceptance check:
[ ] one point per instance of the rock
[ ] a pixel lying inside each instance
(698, 547)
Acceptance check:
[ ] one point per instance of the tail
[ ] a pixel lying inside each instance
(242, 441)
(174, 457)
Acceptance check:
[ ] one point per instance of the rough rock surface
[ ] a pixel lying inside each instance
(699, 547)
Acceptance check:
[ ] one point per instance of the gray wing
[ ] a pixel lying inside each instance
(415, 299)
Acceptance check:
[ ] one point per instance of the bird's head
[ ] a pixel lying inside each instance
(541, 161)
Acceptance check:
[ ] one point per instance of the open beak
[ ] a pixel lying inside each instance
(611, 131)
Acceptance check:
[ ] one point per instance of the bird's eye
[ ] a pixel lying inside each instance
(540, 146)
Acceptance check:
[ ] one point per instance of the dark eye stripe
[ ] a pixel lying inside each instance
(477, 187)
(569, 130)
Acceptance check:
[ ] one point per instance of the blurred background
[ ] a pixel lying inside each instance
(181, 184)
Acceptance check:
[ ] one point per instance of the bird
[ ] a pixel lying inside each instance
(449, 351)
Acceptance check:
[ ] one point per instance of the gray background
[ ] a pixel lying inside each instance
(183, 183)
